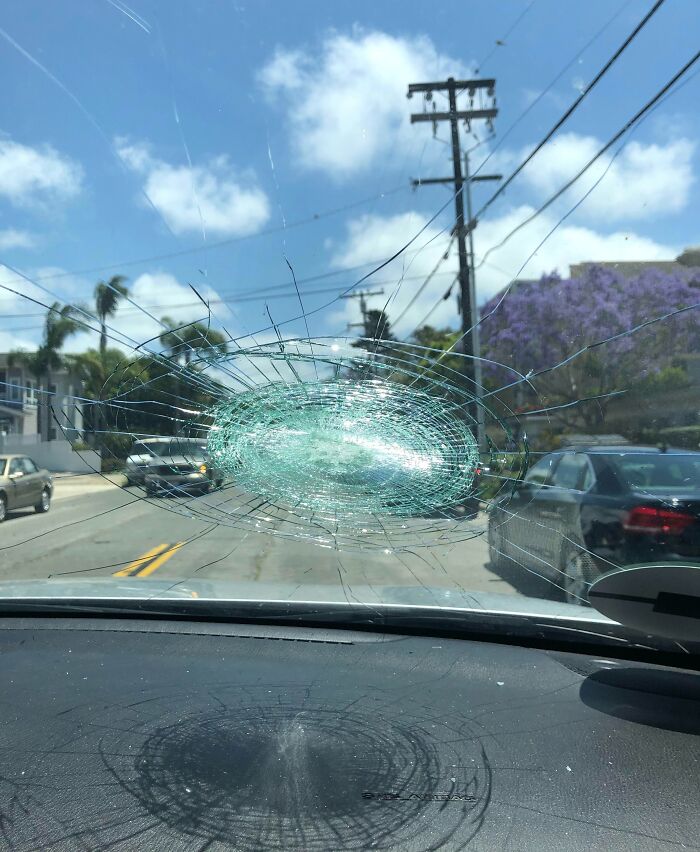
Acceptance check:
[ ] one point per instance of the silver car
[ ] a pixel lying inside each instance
(181, 475)
(149, 451)
(23, 484)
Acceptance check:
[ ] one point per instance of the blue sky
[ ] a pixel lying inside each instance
(136, 138)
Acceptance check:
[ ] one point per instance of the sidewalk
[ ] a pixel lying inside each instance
(76, 484)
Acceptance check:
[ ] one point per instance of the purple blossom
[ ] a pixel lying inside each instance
(540, 324)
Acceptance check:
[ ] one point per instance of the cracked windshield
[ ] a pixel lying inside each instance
(362, 304)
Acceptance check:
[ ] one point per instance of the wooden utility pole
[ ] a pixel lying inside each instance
(467, 295)
(362, 296)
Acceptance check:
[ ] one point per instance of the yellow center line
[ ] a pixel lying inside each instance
(159, 560)
(138, 563)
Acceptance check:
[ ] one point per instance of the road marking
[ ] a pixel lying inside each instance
(141, 561)
(159, 560)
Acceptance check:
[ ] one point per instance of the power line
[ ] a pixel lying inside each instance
(433, 272)
(442, 298)
(221, 243)
(574, 106)
(503, 136)
(260, 297)
(287, 285)
(627, 126)
(501, 42)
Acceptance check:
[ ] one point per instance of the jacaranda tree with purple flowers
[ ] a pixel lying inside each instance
(628, 329)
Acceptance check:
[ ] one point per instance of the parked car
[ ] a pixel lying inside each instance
(583, 511)
(23, 484)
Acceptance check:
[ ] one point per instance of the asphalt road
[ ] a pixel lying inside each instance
(113, 531)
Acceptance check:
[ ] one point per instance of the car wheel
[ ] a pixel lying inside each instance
(3, 507)
(45, 503)
(577, 574)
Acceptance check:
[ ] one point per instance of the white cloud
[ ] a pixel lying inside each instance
(346, 104)
(210, 198)
(12, 238)
(36, 176)
(644, 181)
(372, 237)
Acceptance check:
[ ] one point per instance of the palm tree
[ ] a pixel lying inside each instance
(107, 296)
(183, 340)
(61, 322)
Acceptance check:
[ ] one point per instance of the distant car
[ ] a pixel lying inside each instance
(141, 454)
(148, 452)
(181, 475)
(583, 511)
(23, 484)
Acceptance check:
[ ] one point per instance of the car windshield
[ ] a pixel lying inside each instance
(175, 447)
(3, 465)
(368, 304)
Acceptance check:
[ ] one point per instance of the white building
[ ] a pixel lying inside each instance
(29, 407)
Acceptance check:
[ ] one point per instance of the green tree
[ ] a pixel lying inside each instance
(376, 339)
(376, 331)
(423, 360)
(183, 341)
(107, 296)
(104, 375)
(61, 323)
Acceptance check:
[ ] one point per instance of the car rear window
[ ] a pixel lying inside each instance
(660, 473)
(3, 465)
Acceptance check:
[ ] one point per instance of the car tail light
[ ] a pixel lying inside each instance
(649, 519)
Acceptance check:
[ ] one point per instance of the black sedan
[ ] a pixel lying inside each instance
(583, 511)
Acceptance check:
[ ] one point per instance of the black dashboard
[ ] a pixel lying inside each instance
(129, 734)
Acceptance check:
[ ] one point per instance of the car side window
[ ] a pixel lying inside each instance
(570, 471)
(540, 473)
(29, 466)
(16, 466)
